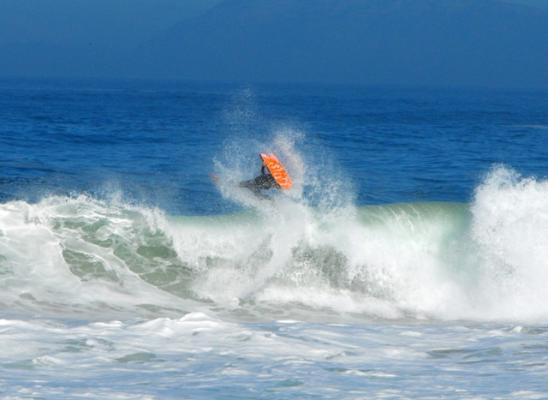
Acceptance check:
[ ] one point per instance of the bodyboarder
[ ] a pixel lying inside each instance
(273, 176)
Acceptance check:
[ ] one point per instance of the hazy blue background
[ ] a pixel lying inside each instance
(492, 43)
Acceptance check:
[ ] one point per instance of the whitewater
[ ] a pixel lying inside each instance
(447, 261)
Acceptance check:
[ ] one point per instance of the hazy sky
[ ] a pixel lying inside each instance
(416, 42)
(104, 22)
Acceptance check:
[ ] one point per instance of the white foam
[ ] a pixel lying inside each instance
(510, 227)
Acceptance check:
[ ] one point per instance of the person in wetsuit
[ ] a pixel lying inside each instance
(265, 181)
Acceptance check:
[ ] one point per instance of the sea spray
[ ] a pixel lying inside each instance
(510, 228)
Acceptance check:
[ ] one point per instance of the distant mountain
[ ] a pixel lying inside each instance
(531, 3)
(412, 42)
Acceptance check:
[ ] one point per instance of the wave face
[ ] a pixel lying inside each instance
(486, 260)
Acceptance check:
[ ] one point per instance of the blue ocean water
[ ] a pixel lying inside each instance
(156, 141)
(408, 261)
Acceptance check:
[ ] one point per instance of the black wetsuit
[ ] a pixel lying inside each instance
(264, 181)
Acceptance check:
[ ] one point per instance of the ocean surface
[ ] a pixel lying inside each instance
(409, 260)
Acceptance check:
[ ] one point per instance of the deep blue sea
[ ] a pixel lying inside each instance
(408, 261)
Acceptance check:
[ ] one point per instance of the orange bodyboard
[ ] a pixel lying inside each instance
(277, 170)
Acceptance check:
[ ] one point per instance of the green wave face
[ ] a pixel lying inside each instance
(73, 245)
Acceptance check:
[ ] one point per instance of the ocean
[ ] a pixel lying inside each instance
(408, 261)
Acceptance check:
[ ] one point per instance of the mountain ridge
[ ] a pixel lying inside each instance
(423, 42)
(489, 43)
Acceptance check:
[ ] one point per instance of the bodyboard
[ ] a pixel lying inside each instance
(277, 170)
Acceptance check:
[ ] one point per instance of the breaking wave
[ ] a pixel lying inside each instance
(487, 260)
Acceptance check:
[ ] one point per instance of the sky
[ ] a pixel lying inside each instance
(111, 23)
(411, 42)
